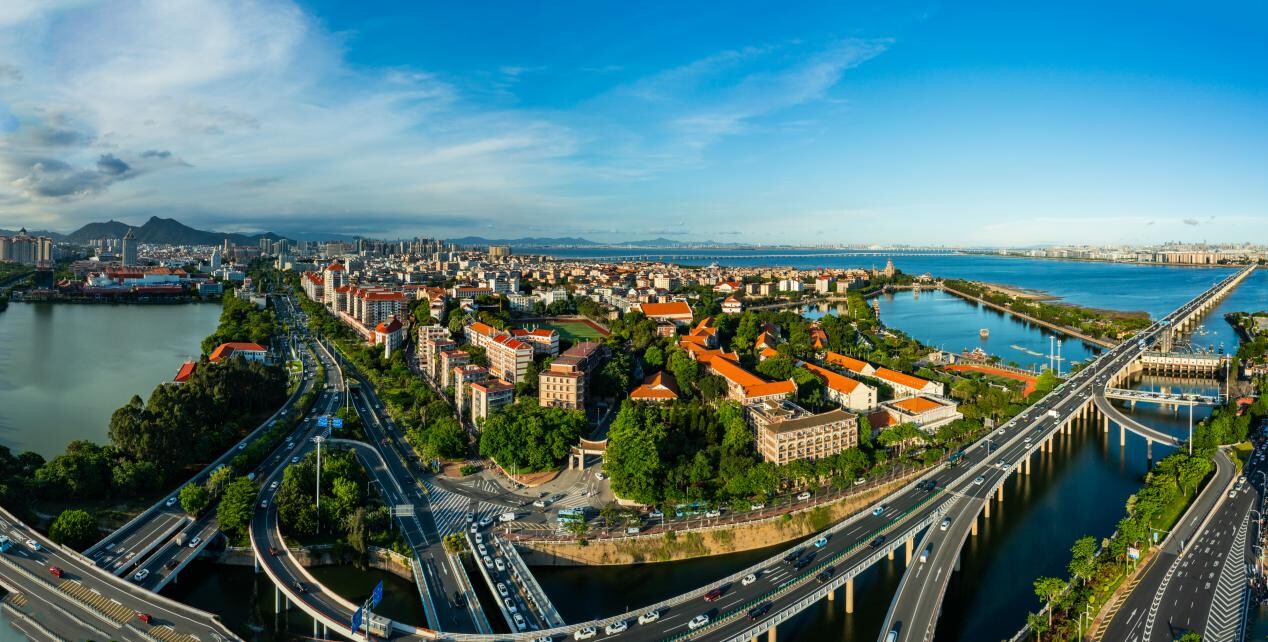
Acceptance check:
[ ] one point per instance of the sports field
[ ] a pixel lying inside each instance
(570, 330)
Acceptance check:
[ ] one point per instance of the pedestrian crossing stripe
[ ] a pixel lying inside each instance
(449, 510)
(110, 609)
(16, 599)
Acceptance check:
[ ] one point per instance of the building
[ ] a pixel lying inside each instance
(744, 386)
(390, 334)
(656, 388)
(427, 336)
(128, 255)
(703, 335)
(334, 276)
(732, 305)
(844, 391)
(463, 377)
(905, 385)
(544, 340)
(566, 384)
(856, 367)
(314, 286)
(248, 351)
(675, 312)
(786, 432)
(497, 252)
(927, 412)
(509, 358)
(448, 361)
(26, 249)
(488, 396)
(186, 371)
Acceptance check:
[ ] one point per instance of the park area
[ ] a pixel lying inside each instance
(572, 330)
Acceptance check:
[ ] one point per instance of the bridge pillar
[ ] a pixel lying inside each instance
(999, 493)
(770, 635)
(1149, 448)
(973, 527)
(1026, 464)
(891, 554)
(277, 599)
(832, 595)
(1105, 423)
(957, 562)
(986, 511)
(849, 595)
(911, 540)
(257, 563)
(1122, 436)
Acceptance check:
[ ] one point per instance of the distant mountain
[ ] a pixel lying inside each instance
(52, 235)
(162, 231)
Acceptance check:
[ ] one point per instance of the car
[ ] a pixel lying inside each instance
(876, 543)
(474, 528)
(1232, 493)
(758, 506)
(698, 621)
(805, 560)
(272, 552)
(946, 523)
(924, 555)
(792, 555)
(748, 579)
(295, 459)
(655, 515)
(171, 564)
(171, 501)
(299, 587)
(471, 517)
(479, 538)
(242, 446)
(892, 636)
(501, 566)
(290, 445)
(826, 575)
(758, 611)
(803, 496)
(520, 623)
(618, 626)
(144, 617)
(483, 549)
(488, 561)
(713, 513)
(55, 570)
(506, 517)
(510, 606)
(541, 503)
(195, 542)
(879, 510)
(1000, 431)
(140, 575)
(585, 634)
(485, 521)
(649, 617)
(600, 476)
(713, 595)
(860, 481)
(979, 480)
(33, 545)
(821, 542)
(273, 486)
(264, 503)
(544, 638)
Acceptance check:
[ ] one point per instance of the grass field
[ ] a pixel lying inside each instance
(572, 331)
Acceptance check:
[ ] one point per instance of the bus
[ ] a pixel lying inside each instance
(690, 510)
(569, 516)
(955, 459)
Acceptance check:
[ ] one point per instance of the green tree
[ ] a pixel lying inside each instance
(236, 506)
(1037, 624)
(653, 358)
(1048, 589)
(218, 480)
(712, 387)
(777, 368)
(1083, 558)
(74, 528)
(194, 498)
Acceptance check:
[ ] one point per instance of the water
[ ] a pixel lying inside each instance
(244, 599)
(64, 368)
(1155, 289)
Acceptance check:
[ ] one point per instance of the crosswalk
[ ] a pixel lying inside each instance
(16, 599)
(575, 496)
(1230, 592)
(111, 609)
(449, 510)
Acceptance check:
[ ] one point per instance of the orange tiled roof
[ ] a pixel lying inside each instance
(917, 405)
(670, 309)
(336, 267)
(186, 371)
(658, 386)
(767, 353)
(901, 378)
(849, 363)
(833, 380)
(482, 328)
(226, 350)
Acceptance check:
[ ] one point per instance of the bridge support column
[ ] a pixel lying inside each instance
(999, 493)
(957, 562)
(832, 595)
(1105, 423)
(1026, 464)
(1149, 448)
(910, 542)
(973, 527)
(770, 635)
(1122, 435)
(256, 560)
(849, 595)
(277, 599)
(986, 512)
(891, 554)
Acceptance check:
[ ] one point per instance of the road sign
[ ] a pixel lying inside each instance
(377, 595)
(337, 422)
(356, 621)
(323, 421)
(1133, 552)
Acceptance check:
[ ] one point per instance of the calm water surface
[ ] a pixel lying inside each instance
(64, 368)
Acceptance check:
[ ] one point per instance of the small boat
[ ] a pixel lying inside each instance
(984, 333)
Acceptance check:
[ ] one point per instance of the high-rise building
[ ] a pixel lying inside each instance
(26, 249)
(216, 259)
(128, 255)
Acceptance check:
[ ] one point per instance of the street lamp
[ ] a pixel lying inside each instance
(319, 440)
(1086, 614)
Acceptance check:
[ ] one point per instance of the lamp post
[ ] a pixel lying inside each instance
(1190, 429)
(319, 440)
(1086, 614)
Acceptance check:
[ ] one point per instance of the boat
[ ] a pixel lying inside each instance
(984, 333)
(1026, 350)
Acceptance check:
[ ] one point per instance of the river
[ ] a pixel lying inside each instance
(64, 367)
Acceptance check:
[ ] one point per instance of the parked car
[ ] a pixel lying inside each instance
(757, 506)
(803, 495)
(713, 513)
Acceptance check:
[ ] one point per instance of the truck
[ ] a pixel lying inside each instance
(1053, 414)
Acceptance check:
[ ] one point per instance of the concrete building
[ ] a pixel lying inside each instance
(927, 412)
(566, 384)
(248, 351)
(509, 358)
(742, 385)
(334, 276)
(544, 340)
(128, 254)
(488, 396)
(463, 377)
(448, 361)
(786, 432)
(846, 392)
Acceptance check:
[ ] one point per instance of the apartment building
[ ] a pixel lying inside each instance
(509, 358)
(566, 383)
(488, 396)
(787, 432)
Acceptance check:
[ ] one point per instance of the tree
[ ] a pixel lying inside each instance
(777, 368)
(135, 478)
(527, 437)
(1048, 589)
(685, 369)
(237, 505)
(1036, 623)
(218, 480)
(194, 498)
(653, 358)
(1083, 558)
(74, 528)
(358, 536)
(712, 387)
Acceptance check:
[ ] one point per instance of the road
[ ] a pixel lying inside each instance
(914, 611)
(1197, 581)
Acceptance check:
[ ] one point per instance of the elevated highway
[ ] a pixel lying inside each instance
(1078, 402)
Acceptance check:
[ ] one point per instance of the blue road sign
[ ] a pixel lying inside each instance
(337, 422)
(323, 421)
(377, 595)
(356, 620)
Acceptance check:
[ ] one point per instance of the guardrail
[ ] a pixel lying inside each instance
(154, 543)
(484, 571)
(468, 593)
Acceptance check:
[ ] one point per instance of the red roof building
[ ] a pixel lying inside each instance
(248, 351)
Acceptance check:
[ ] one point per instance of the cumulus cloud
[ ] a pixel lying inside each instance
(49, 178)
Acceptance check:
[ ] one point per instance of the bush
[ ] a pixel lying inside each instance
(469, 469)
(74, 528)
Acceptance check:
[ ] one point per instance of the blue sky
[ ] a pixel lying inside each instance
(923, 123)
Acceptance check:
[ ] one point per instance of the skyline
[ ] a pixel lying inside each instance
(924, 125)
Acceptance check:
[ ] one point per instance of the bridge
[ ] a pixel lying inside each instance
(1079, 402)
(1159, 397)
(671, 256)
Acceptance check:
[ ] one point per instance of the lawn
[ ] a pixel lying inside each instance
(572, 331)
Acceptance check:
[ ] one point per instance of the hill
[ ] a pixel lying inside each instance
(162, 231)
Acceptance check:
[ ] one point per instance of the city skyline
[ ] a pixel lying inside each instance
(922, 125)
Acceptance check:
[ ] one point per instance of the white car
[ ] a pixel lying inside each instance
(713, 513)
(141, 575)
(585, 634)
(488, 562)
(273, 486)
(520, 624)
(479, 538)
(748, 579)
(33, 545)
(649, 617)
(946, 523)
(242, 446)
(698, 621)
(756, 506)
(195, 542)
(803, 496)
(616, 627)
(171, 501)
(510, 606)
(497, 561)
(979, 480)
(1000, 431)
(483, 549)
(502, 589)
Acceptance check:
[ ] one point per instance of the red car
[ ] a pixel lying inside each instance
(144, 617)
(713, 595)
(57, 572)
(272, 551)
